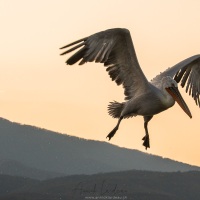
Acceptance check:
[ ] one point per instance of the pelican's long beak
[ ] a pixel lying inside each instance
(174, 92)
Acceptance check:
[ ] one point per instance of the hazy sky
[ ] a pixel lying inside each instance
(37, 88)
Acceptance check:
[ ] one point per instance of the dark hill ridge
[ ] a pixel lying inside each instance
(59, 153)
(10, 184)
(134, 185)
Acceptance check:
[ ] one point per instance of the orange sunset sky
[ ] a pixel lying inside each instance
(37, 88)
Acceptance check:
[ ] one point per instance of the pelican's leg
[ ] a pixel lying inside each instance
(112, 133)
(146, 142)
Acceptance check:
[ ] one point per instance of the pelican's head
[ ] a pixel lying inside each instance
(168, 81)
(171, 86)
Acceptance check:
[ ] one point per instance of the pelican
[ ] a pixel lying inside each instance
(114, 48)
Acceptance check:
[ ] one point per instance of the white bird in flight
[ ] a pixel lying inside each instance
(114, 48)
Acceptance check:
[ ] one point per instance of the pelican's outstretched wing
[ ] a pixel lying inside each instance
(188, 71)
(115, 49)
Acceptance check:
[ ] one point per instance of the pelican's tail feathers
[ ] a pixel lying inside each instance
(115, 108)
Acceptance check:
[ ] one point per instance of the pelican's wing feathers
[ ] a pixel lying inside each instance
(115, 49)
(187, 72)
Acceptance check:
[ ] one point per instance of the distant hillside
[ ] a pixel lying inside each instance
(11, 167)
(48, 151)
(134, 185)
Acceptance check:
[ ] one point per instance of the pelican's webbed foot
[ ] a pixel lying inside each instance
(112, 133)
(146, 142)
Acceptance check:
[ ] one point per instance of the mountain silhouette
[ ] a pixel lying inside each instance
(135, 185)
(58, 154)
